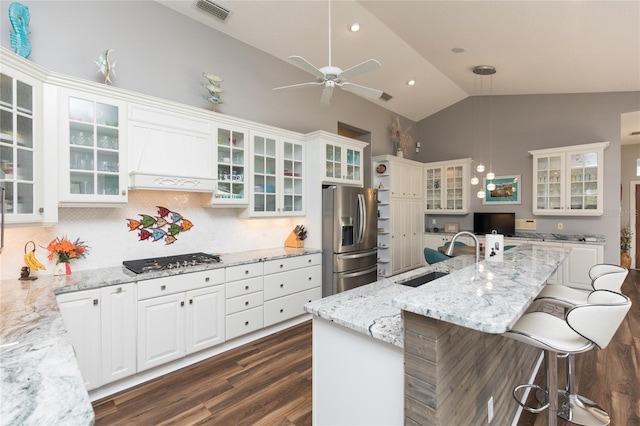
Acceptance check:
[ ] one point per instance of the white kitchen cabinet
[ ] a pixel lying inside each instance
(118, 319)
(244, 299)
(406, 235)
(81, 313)
(29, 187)
(101, 326)
(232, 166)
(178, 315)
(169, 150)
(338, 159)
(574, 272)
(446, 186)
(93, 149)
(277, 176)
(289, 284)
(569, 180)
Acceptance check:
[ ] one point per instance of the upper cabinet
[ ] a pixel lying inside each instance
(340, 158)
(446, 187)
(22, 147)
(92, 149)
(231, 163)
(568, 180)
(277, 175)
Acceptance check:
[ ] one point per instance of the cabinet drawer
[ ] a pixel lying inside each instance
(289, 263)
(238, 288)
(244, 302)
(240, 272)
(290, 306)
(178, 283)
(278, 285)
(244, 322)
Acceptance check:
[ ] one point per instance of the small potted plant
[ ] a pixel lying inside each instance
(65, 250)
(625, 245)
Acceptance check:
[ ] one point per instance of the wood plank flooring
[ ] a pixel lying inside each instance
(268, 382)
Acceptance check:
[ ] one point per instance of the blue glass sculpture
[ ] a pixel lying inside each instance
(19, 17)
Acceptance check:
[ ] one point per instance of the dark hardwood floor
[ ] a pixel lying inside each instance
(268, 382)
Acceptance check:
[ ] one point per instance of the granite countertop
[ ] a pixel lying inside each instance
(540, 236)
(40, 380)
(488, 297)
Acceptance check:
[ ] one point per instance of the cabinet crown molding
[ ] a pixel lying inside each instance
(597, 145)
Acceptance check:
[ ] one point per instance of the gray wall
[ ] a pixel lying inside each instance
(523, 123)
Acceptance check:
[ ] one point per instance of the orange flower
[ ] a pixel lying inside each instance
(66, 250)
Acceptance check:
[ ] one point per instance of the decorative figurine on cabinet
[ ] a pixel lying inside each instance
(19, 17)
(105, 67)
(213, 87)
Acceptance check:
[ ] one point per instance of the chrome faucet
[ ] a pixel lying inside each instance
(453, 240)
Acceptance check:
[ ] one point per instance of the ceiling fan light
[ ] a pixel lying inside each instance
(491, 176)
(475, 180)
(354, 27)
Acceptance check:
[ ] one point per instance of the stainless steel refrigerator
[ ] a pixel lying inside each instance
(349, 238)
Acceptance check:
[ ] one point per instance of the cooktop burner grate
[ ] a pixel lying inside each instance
(170, 262)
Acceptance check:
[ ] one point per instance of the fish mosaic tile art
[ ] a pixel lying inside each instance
(166, 224)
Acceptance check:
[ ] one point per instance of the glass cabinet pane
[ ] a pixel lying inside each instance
(231, 165)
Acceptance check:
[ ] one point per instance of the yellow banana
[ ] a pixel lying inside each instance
(37, 262)
(32, 262)
(26, 259)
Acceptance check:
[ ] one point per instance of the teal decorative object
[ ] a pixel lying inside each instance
(214, 89)
(19, 17)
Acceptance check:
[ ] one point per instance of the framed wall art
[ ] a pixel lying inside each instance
(507, 190)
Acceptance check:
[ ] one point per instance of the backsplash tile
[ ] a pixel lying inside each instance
(105, 230)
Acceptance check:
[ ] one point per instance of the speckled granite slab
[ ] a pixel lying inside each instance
(488, 297)
(40, 380)
(369, 310)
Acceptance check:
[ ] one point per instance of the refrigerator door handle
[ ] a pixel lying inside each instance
(2, 210)
(359, 273)
(362, 211)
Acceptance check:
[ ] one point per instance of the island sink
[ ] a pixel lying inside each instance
(423, 279)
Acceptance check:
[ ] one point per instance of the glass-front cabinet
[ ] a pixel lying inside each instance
(447, 187)
(277, 176)
(22, 146)
(92, 154)
(231, 161)
(569, 180)
(343, 163)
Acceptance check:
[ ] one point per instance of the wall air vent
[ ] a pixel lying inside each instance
(213, 9)
(385, 96)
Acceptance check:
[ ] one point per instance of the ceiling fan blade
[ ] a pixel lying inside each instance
(366, 66)
(325, 100)
(300, 86)
(307, 66)
(366, 92)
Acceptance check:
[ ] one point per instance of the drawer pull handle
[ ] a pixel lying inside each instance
(246, 272)
(246, 287)
(246, 303)
(95, 301)
(281, 266)
(309, 278)
(246, 323)
(182, 303)
(119, 290)
(163, 287)
(281, 310)
(309, 260)
(281, 285)
(191, 301)
(207, 279)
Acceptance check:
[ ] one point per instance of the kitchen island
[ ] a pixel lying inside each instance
(446, 333)
(40, 380)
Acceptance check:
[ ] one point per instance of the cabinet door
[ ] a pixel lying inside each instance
(353, 165)
(417, 226)
(585, 182)
(205, 318)
(118, 331)
(548, 171)
(92, 149)
(433, 188)
(161, 323)
(558, 276)
(415, 182)
(21, 147)
(265, 182)
(293, 174)
(454, 184)
(81, 313)
(581, 259)
(333, 156)
(397, 232)
(231, 159)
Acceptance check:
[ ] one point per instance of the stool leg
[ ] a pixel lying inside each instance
(576, 408)
(551, 379)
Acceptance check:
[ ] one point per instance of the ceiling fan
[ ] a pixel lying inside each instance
(330, 76)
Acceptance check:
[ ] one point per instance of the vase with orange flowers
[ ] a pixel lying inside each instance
(65, 250)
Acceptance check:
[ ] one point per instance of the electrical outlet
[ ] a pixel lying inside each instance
(560, 225)
(433, 221)
(490, 410)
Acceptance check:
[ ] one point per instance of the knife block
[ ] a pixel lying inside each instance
(293, 241)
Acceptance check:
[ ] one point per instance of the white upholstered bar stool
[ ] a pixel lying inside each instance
(580, 409)
(583, 327)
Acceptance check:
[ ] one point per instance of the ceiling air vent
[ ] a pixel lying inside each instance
(213, 9)
(385, 96)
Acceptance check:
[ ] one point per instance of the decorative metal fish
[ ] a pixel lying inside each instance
(20, 17)
(144, 234)
(105, 67)
(133, 224)
(186, 224)
(147, 221)
(174, 229)
(163, 211)
(170, 239)
(151, 228)
(161, 221)
(175, 217)
(157, 234)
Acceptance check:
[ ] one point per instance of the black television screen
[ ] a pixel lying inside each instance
(502, 223)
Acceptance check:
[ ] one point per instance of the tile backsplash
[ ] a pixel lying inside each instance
(105, 230)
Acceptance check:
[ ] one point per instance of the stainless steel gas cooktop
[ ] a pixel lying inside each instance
(170, 262)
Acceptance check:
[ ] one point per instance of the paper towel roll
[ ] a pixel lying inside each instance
(493, 247)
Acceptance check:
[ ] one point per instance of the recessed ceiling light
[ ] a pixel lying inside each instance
(354, 27)
(457, 50)
(411, 82)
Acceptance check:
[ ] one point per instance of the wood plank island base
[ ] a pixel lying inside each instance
(450, 331)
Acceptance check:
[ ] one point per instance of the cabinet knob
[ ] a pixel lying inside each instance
(95, 301)
(123, 192)
(281, 266)
(191, 301)
(281, 310)
(207, 279)
(309, 260)
(163, 287)
(246, 323)
(309, 278)
(246, 287)
(182, 303)
(246, 303)
(246, 272)
(119, 290)
(281, 285)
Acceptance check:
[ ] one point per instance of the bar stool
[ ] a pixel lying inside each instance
(583, 327)
(577, 408)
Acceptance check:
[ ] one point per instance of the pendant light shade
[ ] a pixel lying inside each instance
(491, 186)
(480, 168)
(475, 180)
(481, 194)
(491, 176)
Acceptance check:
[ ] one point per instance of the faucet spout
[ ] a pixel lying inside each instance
(455, 237)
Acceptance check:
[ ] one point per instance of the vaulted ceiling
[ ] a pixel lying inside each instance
(537, 47)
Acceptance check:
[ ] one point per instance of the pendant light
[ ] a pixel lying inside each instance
(486, 70)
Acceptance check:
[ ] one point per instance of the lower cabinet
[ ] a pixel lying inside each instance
(179, 315)
(574, 272)
(244, 299)
(407, 225)
(101, 326)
